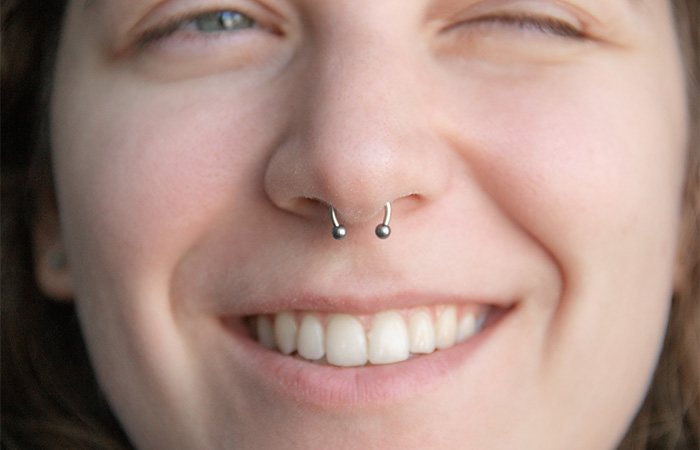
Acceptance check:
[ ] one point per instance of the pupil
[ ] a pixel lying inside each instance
(228, 19)
(231, 20)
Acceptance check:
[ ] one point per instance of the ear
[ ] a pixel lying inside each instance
(51, 268)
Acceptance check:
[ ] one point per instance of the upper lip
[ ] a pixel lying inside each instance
(352, 304)
(361, 290)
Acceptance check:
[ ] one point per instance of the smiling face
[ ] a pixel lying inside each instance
(532, 152)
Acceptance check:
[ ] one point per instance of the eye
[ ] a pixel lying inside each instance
(517, 33)
(187, 39)
(530, 23)
(207, 23)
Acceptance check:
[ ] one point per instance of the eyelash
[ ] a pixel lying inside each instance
(527, 22)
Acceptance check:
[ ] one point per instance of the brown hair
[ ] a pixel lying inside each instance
(50, 398)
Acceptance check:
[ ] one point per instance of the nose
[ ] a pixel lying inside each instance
(362, 133)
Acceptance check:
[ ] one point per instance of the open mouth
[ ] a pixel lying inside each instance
(387, 337)
(338, 359)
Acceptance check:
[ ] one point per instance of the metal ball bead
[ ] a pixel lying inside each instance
(339, 232)
(382, 231)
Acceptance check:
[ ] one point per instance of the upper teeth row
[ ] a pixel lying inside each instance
(344, 341)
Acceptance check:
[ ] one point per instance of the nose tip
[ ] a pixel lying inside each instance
(358, 182)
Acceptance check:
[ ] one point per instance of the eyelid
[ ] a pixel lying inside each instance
(543, 23)
(532, 11)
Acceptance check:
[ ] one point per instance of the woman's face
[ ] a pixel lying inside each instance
(532, 152)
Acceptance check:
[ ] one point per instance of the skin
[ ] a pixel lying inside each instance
(194, 172)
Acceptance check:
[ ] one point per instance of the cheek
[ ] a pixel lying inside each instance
(155, 171)
(153, 176)
(588, 165)
(593, 171)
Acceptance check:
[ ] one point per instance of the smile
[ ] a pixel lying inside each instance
(350, 355)
(387, 337)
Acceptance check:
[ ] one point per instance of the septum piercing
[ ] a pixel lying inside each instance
(339, 231)
(382, 231)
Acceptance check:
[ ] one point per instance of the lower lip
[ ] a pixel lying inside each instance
(329, 386)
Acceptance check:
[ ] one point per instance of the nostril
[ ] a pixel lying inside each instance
(306, 207)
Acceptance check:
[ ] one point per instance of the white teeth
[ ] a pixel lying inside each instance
(446, 328)
(393, 336)
(388, 339)
(285, 332)
(421, 333)
(265, 334)
(466, 328)
(346, 343)
(310, 338)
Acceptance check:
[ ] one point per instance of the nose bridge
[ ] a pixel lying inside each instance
(362, 81)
